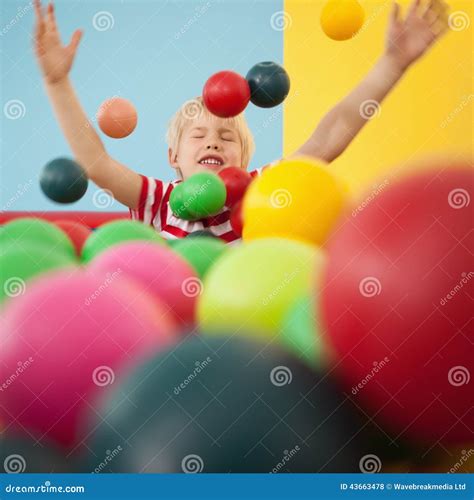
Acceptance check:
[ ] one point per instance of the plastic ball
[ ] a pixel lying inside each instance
(78, 333)
(297, 199)
(397, 303)
(219, 418)
(201, 195)
(253, 285)
(117, 117)
(201, 252)
(236, 181)
(342, 19)
(179, 204)
(236, 221)
(171, 281)
(301, 333)
(63, 181)
(226, 94)
(269, 84)
(202, 233)
(30, 231)
(116, 232)
(20, 263)
(77, 233)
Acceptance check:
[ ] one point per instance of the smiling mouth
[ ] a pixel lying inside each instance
(213, 161)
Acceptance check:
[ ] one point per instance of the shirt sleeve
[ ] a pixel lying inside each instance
(149, 203)
(259, 171)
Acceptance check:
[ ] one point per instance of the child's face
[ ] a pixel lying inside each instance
(207, 143)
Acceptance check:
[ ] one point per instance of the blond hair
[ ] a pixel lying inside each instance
(195, 108)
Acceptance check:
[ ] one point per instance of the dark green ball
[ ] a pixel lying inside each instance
(269, 84)
(63, 181)
(227, 404)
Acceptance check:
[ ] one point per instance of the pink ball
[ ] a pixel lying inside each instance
(69, 338)
(158, 270)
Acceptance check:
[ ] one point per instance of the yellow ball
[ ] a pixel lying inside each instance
(342, 19)
(296, 199)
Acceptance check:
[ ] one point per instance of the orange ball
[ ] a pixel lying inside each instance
(117, 117)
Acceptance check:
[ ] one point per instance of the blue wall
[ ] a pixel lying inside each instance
(158, 54)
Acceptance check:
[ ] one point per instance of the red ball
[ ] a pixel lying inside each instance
(397, 302)
(236, 181)
(226, 94)
(77, 232)
(236, 220)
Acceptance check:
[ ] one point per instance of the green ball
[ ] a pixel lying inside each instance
(19, 263)
(116, 232)
(201, 252)
(203, 194)
(29, 230)
(252, 287)
(177, 203)
(300, 332)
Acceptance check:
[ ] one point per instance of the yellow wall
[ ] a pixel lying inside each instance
(429, 112)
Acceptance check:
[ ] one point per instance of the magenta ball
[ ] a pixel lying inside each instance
(65, 342)
(158, 270)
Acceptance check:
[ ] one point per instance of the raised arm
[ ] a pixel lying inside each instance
(55, 61)
(407, 40)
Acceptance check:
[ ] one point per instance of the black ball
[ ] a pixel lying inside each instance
(227, 404)
(63, 180)
(269, 84)
(201, 233)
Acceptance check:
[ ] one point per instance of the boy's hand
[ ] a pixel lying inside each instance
(409, 38)
(55, 59)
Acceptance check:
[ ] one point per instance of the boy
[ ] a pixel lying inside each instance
(200, 141)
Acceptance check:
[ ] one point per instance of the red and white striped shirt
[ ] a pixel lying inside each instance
(154, 209)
